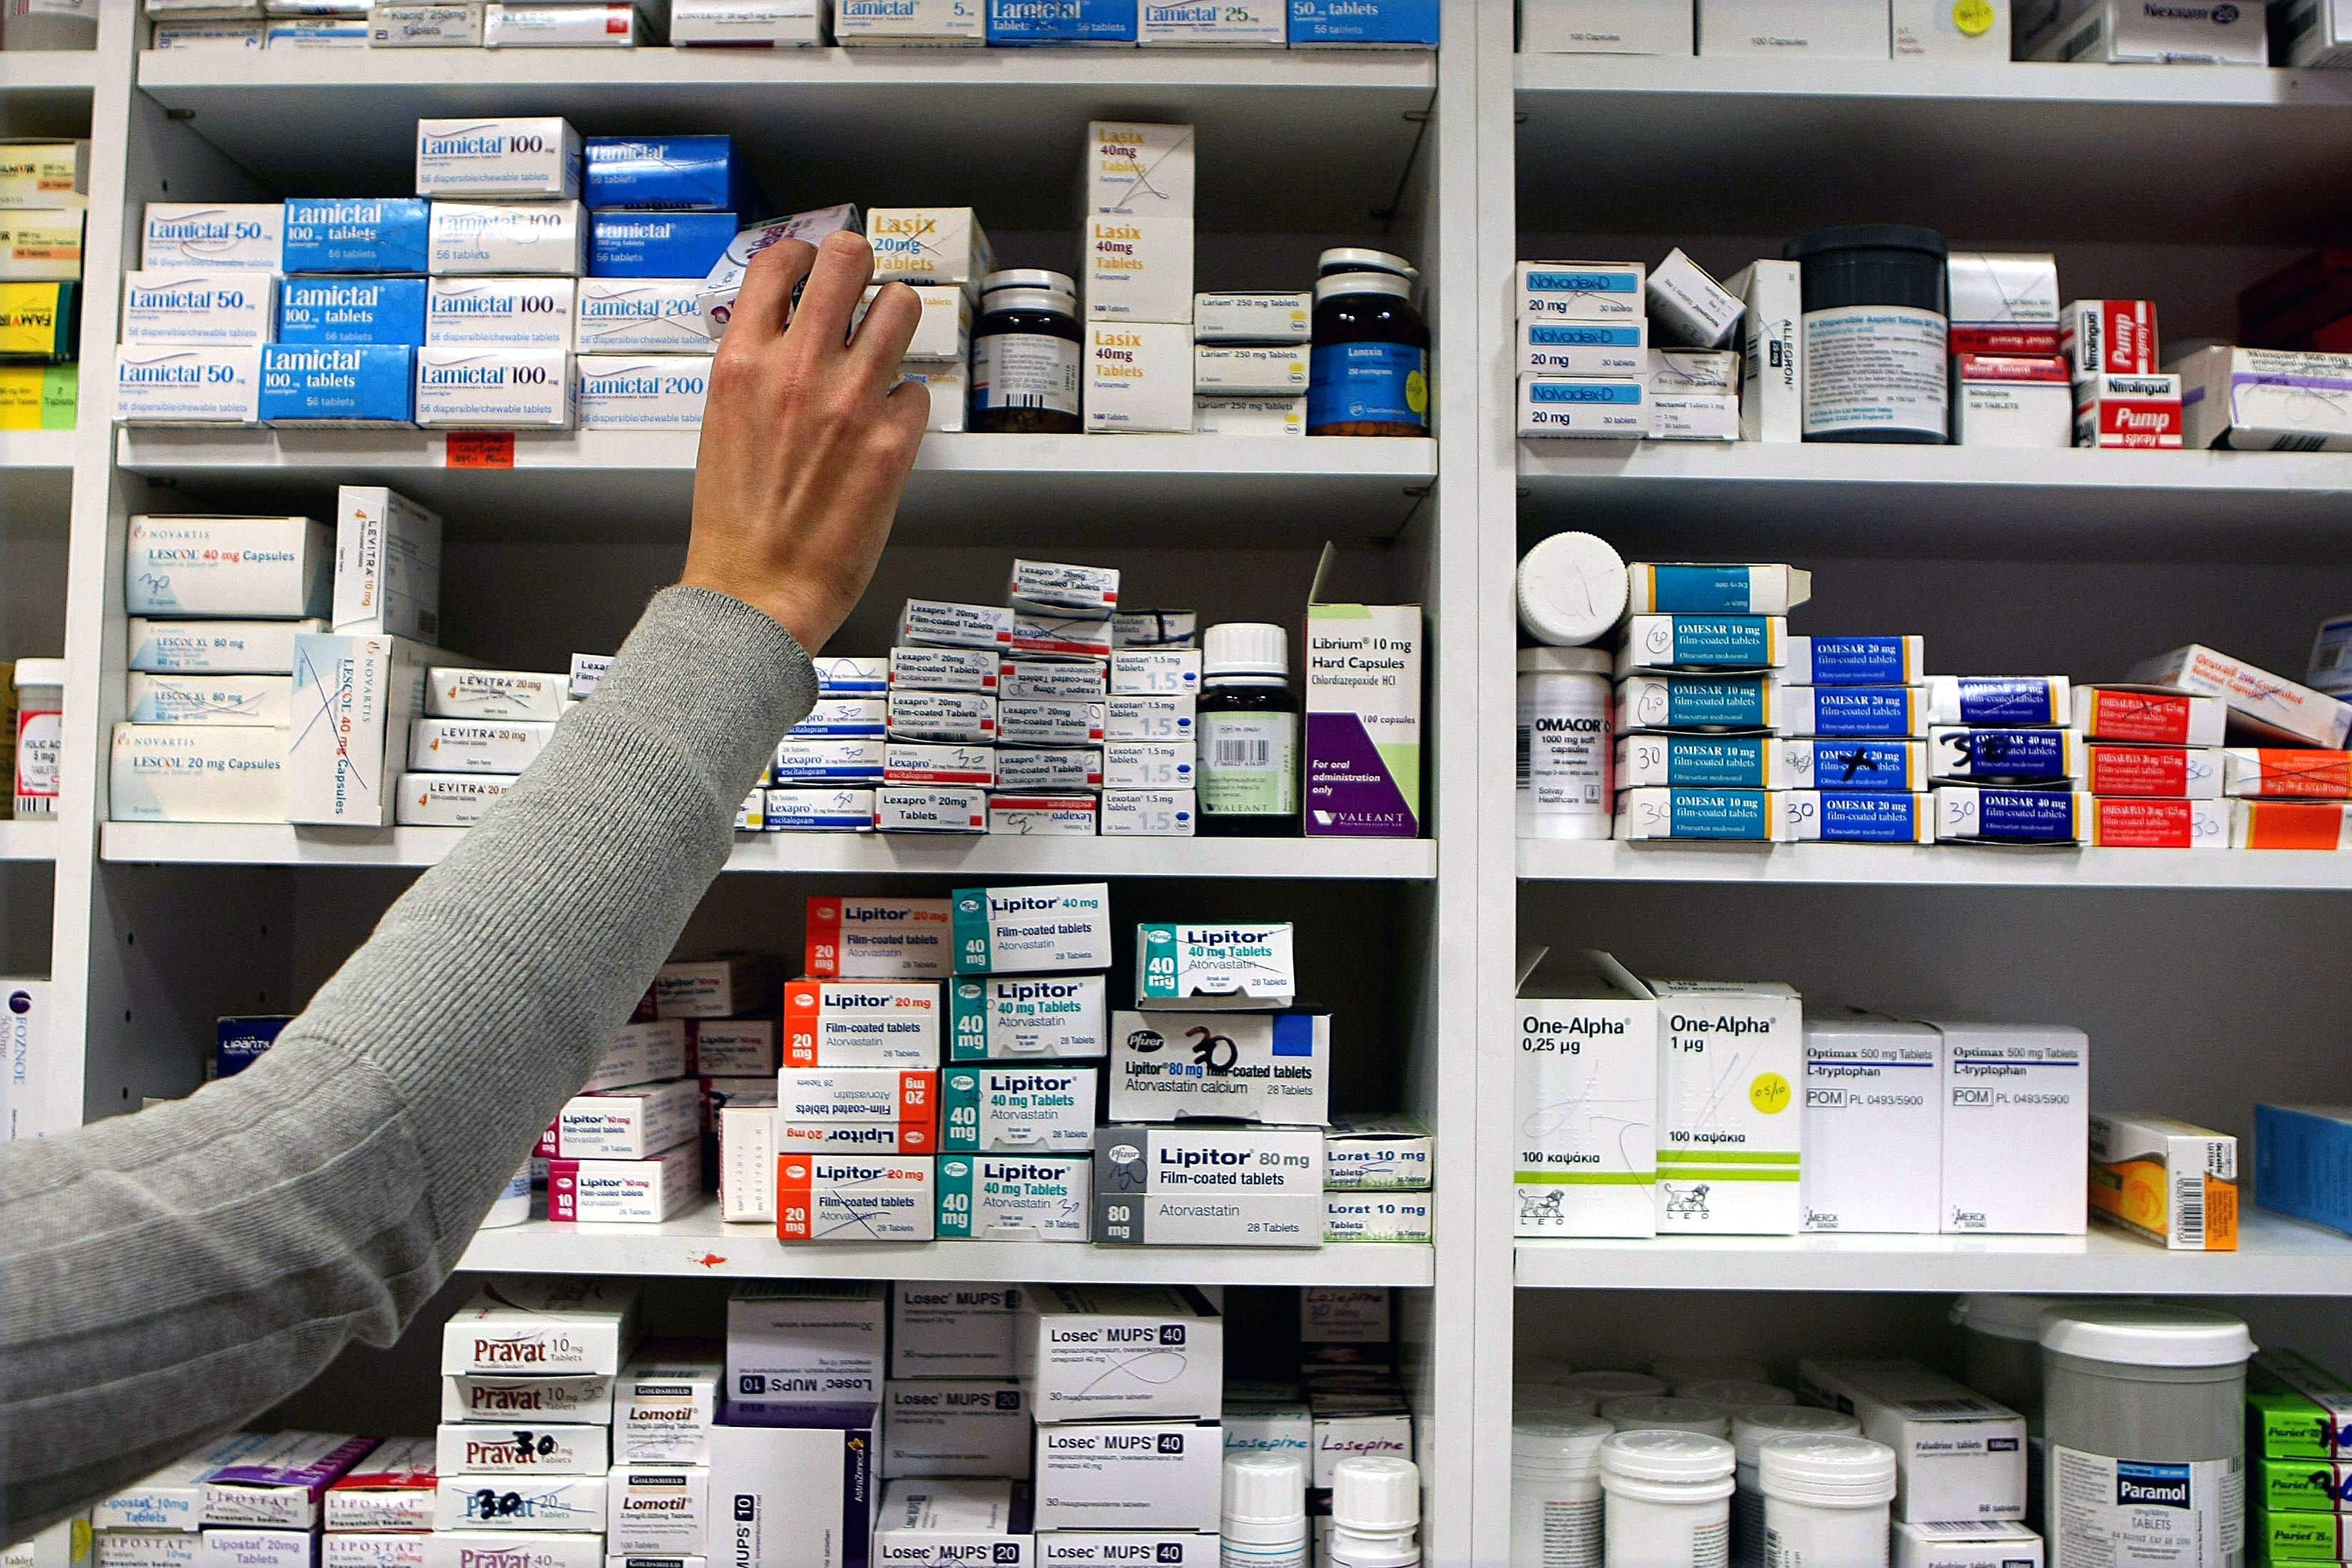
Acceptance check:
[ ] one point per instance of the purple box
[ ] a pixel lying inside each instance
(280, 1484)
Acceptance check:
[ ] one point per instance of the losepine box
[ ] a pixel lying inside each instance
(1076, 1349)
(1025, 929)
(1958, 1456)
(543, 1325)
(1731, 1056)
(390, 1490)
(952, 1330)
(1129, 1474)
(1127, 1548)
(670, 173)
(534, 1504)
(2261, 704)
(1026, 1017)
(202, 772)
(495, 389)
(376, 234)
(523, 1448)
(855, 1197)
(1196, 968)
(492, 239)
(1587, 1102)
(630, 1123)
(1580, 291)
(496, 1397)
(665, 1404)
(352, 310)
(212, 237)
(474, 745)
(861, 1024)
(938, 622)
(1015, 1197)
(1272, 1067)
(262, 699)
(639, 315)
(658, 1508)
(1873, 1121)
(1946, 1544)
(625, 392)
(499, 313)
(2023, 1089)
(482, 1547)
(936, 1426)
(235, 309)
(172, 384)
(505, 158)
(1253, 317)
(637, 1192)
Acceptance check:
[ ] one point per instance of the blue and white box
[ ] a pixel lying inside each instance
(2011, 815)
(494, 389)
(499, 313)
(1854, 661)
(352, 310)
(1013, 24)
(657, 244)
(1959, 754)
(1856, 816)
(1213, 23)
(666, 174)
(1770, 761)
(1582, 292)
(238, 1043)
(338, 383)
(1616, 409)
(1616, 349)
(2303, 1165)
(1703, 642)
(180, 384)
(525, 158)
(829, 762)
(642, 392)
(820, 811)
(373, 234)
(543, 239)
(1748, 815)
(1364, 24)
(640, 315)
(212, 237)
(2010, 700)
(216, 308)
(918, 22)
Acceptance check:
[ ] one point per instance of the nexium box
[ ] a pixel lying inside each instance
(1025, 930)
(1587, 1100)
(1198, 967)
(1090, 1353)
(1026, 1017)
(1252, 1067)
(793, 1485)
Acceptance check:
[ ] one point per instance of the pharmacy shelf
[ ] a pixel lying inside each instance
(28, 841)
(810, 853)
(1943, 502)
(1774, 146)
(43, 92)
(45, 450)
(1934, 866)
(700, 1245)
(2275, 1257)
(1102, 490)
(880, 126)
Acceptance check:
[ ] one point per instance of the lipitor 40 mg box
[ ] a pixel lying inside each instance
(1026, 1017)
(1197, 968)
(1033, 1107)
(1015, 1197)
(1028, 930)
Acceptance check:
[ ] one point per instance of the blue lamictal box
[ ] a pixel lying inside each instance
(367, 235)
(670, 174)
(327, 384)
(657, 245)
(238, 1043)
(2303, 1163)
(1015, 23)
(352, 310)
(1397, 24)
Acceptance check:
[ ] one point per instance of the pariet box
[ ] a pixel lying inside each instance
(352, 310)
(530, 1504)
(494, 389)
(642, 1192)
(503, 158)
(212, 237)
(494, 1397)
(861, 1024)
(935, 1426)
(665, 1403)
(1198, 968)
(1027, 930)
(547, 1448)
(1872, 1125)
(1363, 717)
(1033, 1107)
(1587, 1100)
(1015, 1197)
(1044, 1016)
(855, 1197)
(639, 315)
(878, 939)
(186, 307)
(1731, 1055)
(1264, 1067)
(1076, 1348)
(953, 1331)
(377, 235)
(498, 312)
(174, 383)
(2024, 1089)
(545, 1325)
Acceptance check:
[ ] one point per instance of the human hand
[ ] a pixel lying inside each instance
(808, 439)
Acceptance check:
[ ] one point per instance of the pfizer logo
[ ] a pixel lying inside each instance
(1125, 1154)
(20, 1002)
(2224, 14)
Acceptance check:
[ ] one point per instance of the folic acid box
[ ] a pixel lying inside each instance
(639, 315)
(505, 158)
(1120, 1353)
(1198, 968)
(490, 238)
(952, 1329)
(499, 313)
(1028, 1109)
(937, 1426)
(2022, 1091)
(1033, 928)
(861, 1024)
(1264, 1067)
(1730, 1138)
(1145, 1475)
(352, 310)
(172, 384)
(212, 237)
(498, 389)
(1015, 1197)
(855, 1197)
(1049, 1017)
(183, 307)
(1587, 1102)
(1873, 1126)
(378, 234)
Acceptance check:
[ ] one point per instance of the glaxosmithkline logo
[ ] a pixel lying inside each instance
(2141, 1485)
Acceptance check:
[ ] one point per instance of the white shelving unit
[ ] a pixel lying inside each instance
(2208, 979)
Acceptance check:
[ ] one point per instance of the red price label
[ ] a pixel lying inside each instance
(480, 449)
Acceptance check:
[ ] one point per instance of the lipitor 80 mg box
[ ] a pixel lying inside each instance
(1264, 1067)
(1028, 930)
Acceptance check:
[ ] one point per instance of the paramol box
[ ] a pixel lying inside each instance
(1731, 1055)
(861, 1024)
(1033, 1107)
(1015, 1197)
(2023, 1089)
(1874, 1125)
(1119, 1352)
(1586, 1101)
(1269, 1067)
(1025, 930)
(805, 1342)
(1958, 1456)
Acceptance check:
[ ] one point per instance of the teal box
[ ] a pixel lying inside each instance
(1390, 24)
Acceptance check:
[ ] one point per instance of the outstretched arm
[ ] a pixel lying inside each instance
(167, 1276)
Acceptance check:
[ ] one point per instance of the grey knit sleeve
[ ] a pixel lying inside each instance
(167, 1276)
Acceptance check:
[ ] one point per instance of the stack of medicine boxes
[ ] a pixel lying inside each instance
(943, 253)
(1349, 1402)
(351, 312)
(2121, 398)
(508, 240)
(2009, 386)
(1691, 376)
(1376, 1179)
(1136, 206)
(380, 1513)
(480, 729)
(1250, 363)
(42, 204)
(791, 1452)
(1130, 1450)
(657, 1502)
(661, 212)
(1731, 729)
(2004, 763)
(1215, 1041)
(2286, 797)
(207, 289)
(263, 1508)
(2298, 1443)
(2152, 765)
(526, 1436)
(1052, 699)
(1584, 346)
(956, 1434)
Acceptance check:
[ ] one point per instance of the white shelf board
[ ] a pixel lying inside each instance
(827, 125)
(1063, 489)
(2275, 1258)
(1935, 865)
(1710, 146)
(35, 449)
(47, 92)
(816, 853)
(1944, 502)
(701, 1245)
(28, 841)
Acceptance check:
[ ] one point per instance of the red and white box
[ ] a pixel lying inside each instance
(1072, 815)
(2108, 337)
(2129, 411)
(936, 762)
(630, 1192)
(2250, 773)
(2125, 824)
(904, 1100)
(2179, 773)
(629, 1124)
(878, 939)
(2263, 705)
(390, 1489)
(2153, 715)
(644, 1050)
(722, 987)
(735, 1047)
(2007, 400)
(855, 1197)
(888, 1023)
(2325, 825)
(2003, 304)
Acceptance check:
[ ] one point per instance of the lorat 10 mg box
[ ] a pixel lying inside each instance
(1027, 1109)
(1377, 1153)
(878, 939)
(1044, 1017)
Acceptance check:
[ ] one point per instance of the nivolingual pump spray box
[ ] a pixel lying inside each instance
(1587, 1100)
(1731, 1056)
(1363, 716)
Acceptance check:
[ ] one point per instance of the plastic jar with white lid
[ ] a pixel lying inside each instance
(1750, 1430)
(2000, 1345)
(1736, 1394)
(1556, 1491)
(1681, 1369)
(1375, 1513)
(1603, 1383)
(2145, 1448)
(1572, 589)
(41, 734)
(1551, 1402)
(1565, 743)
(1667, 1413)
(1667, 1500)
(512, 1206)
(1264, 1522)
(1825, 1502)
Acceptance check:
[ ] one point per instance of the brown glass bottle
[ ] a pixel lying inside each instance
(1025, 355)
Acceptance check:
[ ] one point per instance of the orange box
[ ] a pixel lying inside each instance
(2165, 1180)
(2290, 825)
(2251, 773)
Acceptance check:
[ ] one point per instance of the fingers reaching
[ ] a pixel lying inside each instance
(766, 298)
(883, 336)
(836, 281)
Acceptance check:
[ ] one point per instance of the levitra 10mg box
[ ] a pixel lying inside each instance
(1027, 930)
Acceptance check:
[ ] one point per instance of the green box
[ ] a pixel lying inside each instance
(2297, 1409)
(2302, 1486)
(2296, 1537)
(39, 396)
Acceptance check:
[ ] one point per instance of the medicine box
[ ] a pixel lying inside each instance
(940, 624)
(1713, 588)
(2302, 1157)
(1148, 813)
(671, 173)
(475, 746)
(1251, 318)
(929, 808)
(1377, 1217)
(352, 310)
(1611, 409)
(1735, 643)
(2017, 403)
(1736, 815)
(448, 800)
(944, 669)
(212, 237)
(1222, 1161)
(338, 385)
(1036, 723)
(1139, 373)
(1032, 1018)
(628, 1123)
(1363, 716)
(2313, 37)
(279, 1485)
(2165, 1180)
(1032, 929)
(747, 1163)
(643, 1050)
(2135, 32)
(1178, 1219)
(1584, 348)
(1688, 307)
(639, 1192)
(497, 389)
(494, 1397)
(491, 238)
(503, 158)
(1812, 29)
(355, 695)
(498, 312)
(390, 1489)
(40, 397)
(931, 245)
(829, 762)
(2020, 1090)
(855, 1197)
(1959, 1457)
(910, 22)
(877, 938)
(1155, 1474)
(639, 315)
(794, 1483)
(657, 1508)
(386, 234)
(1993, 756)
(657, 244)
(364, 1549)
(1197, 968)
(1948, 1544)
(721, 987)
(171, 384)
(227, 566)
(1109, 1547)
(547, 1325)
(2001, 303)
(604, 24)
(1730, 1137)
(1076, 1348)
(898, 1103)
(1998, 700)
(1383, 1153)
(388, 565)
(1234, 370)
(2297, 1408)
(2264, 400)
(523, 1448)
(569, 1547)
(2261, 704)
(250, 1546)
(215, 308)
(805, 1343)
(665, 1404)
(953, 1329)
(1872, 1125)
(1606, 27)
(522, 695)
(2251, 772)
(1364, 24)
(1130, 167)
(861, 1024)
(1054, 772)
(1249, 416)
(1940, 30)
(716, 297)
(1016, 1197)
(1060, 635)
(952, 1520)
(2160, 715)
(1272, 1068)
(425, 26)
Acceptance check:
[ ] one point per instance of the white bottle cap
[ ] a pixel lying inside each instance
(1028, 278)
(2005, 1317)
(1664, 1412)
(1549, 1402)
(1827, 1469)
(1265, 1488)
(40, 672)
(1567, 661)
(1754, 1428)
(1734, 1392)
(1572, 589)
(1245, 648)
(1375, 1495)
(1667, 1456)
(1680, 1368)
(1353, 258)
(2147, 1336)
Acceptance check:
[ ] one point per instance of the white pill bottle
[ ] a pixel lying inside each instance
(1669, 1500)
(1556, 1489)
(1567, 747)
(1265, 1511)
(1825, 1502)
(1750, 1430)
(1375, 1513)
